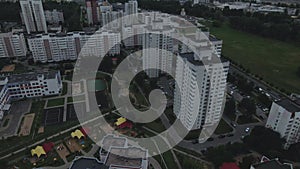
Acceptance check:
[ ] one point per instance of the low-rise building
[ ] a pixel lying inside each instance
(28, 85)
(266, 163)
(284, 118)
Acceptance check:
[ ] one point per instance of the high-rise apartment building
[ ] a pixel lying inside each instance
(109, 18)
(131, 7)
(199, 93)
(284, 117)
(92, 11)
(12, 45)
(33, 16)
(54, 16)
(158, 38)
(59, 47)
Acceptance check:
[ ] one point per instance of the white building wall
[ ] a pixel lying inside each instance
(12, 45)
(199, 95)
(33, 16)
(285, 122)
(57, 47)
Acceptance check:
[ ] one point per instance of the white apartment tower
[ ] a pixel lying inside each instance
(33, 16)
(131, 7)
(12, 45)
(199, 93)
(157, 38)
(284, 118)
(109, 18)
(54, 16)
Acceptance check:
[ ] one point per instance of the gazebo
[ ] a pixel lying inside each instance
(77, 133)
(120, 121)
(38, 151)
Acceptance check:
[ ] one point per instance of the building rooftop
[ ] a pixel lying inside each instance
(131, 156)
(27, 77)
(272, 164)
(87, 163)
(289, 105)
(111, 140)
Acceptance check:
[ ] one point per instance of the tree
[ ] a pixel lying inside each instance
(248, 107)
(230, 107)
(293, 153)
(264, 140)
(298, 71)
(219, 155)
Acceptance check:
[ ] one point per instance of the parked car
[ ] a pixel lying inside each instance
(210, 139)
(230, 135)
(247, 129)
(221, 136)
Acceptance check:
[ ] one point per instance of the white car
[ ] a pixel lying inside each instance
(247, 129)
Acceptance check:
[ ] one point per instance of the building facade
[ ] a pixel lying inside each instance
(33, 16)
(131, 7)
(12, 45)
(54, 16)
(200, 91)
(109, 19)
(92, 11)
(28, 85)
(284, 118)
(60, 47)
(160, 57)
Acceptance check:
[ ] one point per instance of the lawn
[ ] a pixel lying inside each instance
(65, 88)
(265, 57)
(156, 125)
(223, 128)
(56, 102)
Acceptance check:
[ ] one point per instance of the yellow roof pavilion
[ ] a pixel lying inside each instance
(77, 133)
(39, 150)
(120, 121)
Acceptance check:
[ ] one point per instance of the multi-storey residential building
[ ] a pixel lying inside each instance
(284, 117)
(158, 38)
(33, 16)
(12, 45)
(200, 89)
(28, 85)
(59, 47)
(134, 34)
(54, 16)
(109, 19)
(131, 7)
(4, 96)
(92, 11)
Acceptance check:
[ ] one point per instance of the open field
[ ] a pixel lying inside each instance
(275, 61)
(56, 102)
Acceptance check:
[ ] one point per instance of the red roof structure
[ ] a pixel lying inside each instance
(229, 166)
(127, 124)
(48, 146)
(85, 131)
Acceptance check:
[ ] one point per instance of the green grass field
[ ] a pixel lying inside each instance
(56, 102)
(275, 61)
